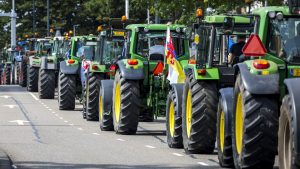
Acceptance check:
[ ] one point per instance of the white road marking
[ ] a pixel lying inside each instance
(5, 96)
(50, 109)
(53, 112)
(61, 118)
(56, 115)
(119, 139)
(11, 106)
(79, 128)
(203, 163)
(20, 122)
(46, 107)
(177, 154)
(66, 121)
(148, 146)
(71, 124)
(35, 98)
(97, 134)
(14, 166)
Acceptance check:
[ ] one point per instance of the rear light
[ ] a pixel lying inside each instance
(112, 67)
(95, 67)
(158, 69)
(201, 71)
(192, 61)
(132, 62)
(261, 64)
(71, 61)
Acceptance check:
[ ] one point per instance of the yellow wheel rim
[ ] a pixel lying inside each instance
(188, 114)
(117, 102)
(172, 119)
(222, 131)
(100, 108)
(239, 124)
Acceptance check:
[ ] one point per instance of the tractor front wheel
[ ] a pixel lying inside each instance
(105, 111)
(7, 76)
(66, 91)
(199, 115)
(32, 79)
(46, 84)
(254, 128)
(92, 98)
(23, 74)
(126, 105)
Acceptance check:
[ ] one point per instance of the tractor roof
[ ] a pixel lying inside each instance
(154, 26)
(220, 19)
(265, 10)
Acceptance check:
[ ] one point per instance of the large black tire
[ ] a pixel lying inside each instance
(16, 73)
(254, 128)
(32, 79)
(66, 91)
(174, 121)
(92, 99)
(46, 84)
(23, 74)
(105, 111)
(128, 94)
(287, 135)
(203, 115)
(84, 96)
(224, 142)
(7, 76)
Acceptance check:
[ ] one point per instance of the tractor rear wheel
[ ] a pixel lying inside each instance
(254, 128)
(32, 79)
(92, 99)
(224, 142)
(287, 136)
(174, 121)
(66, 91)
(84, 95)
(105, 115)
(199, 115)
(126, 105)
(16, 73)
(23, 74)
(46, 84)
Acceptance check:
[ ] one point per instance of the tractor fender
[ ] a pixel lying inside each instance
(68, 69)
(33, 63)
(178, 89)
(226, 98)
(294, 93)
(107, 94)
(258, 84)
(46, 65)
(130, 73)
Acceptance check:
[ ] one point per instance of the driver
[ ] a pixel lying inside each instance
(158, 48)
(236, 50)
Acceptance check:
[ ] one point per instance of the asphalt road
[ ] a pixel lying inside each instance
(49, 138)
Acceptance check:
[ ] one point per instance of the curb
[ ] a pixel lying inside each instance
(5, 162)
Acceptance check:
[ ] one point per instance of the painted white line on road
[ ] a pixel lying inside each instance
(19, 122)
(47, 107)
(177, 154)
(148, 146)
(43, 103)
(61, 118)
(119, 139)
(56, 115)
(14, 166)
(53, 112)
(5, 96)
(35, 98)
(66, 121)
(79, 128)
(11, 106)
(50, 109)
(71, 124)
(203, 163)
(97, 134)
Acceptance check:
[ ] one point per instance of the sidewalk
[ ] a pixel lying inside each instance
(5, 162)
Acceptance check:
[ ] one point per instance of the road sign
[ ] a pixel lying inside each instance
(254, 47)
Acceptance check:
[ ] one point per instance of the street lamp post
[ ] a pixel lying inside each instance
(74, 29)
(13, 24)
(48, 19)
(127, 9)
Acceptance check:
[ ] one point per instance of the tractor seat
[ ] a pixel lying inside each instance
(156, 57)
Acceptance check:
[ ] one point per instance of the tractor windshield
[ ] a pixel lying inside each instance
(284, 39)
(111, 50)
(89, 50)
(151, 44)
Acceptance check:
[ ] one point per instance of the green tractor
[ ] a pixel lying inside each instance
(72, 71)
(42, 48)
(7, 70)
(251, 109)
(48, 73)
(208, 70)
(140, 87)
(101, 67)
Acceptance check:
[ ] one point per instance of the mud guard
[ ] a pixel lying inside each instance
(64, 68)
(294, 93)
(258, 84)
(178, 88)
(226, 98)
(46, 65)
(107, 86)
(130, 73)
